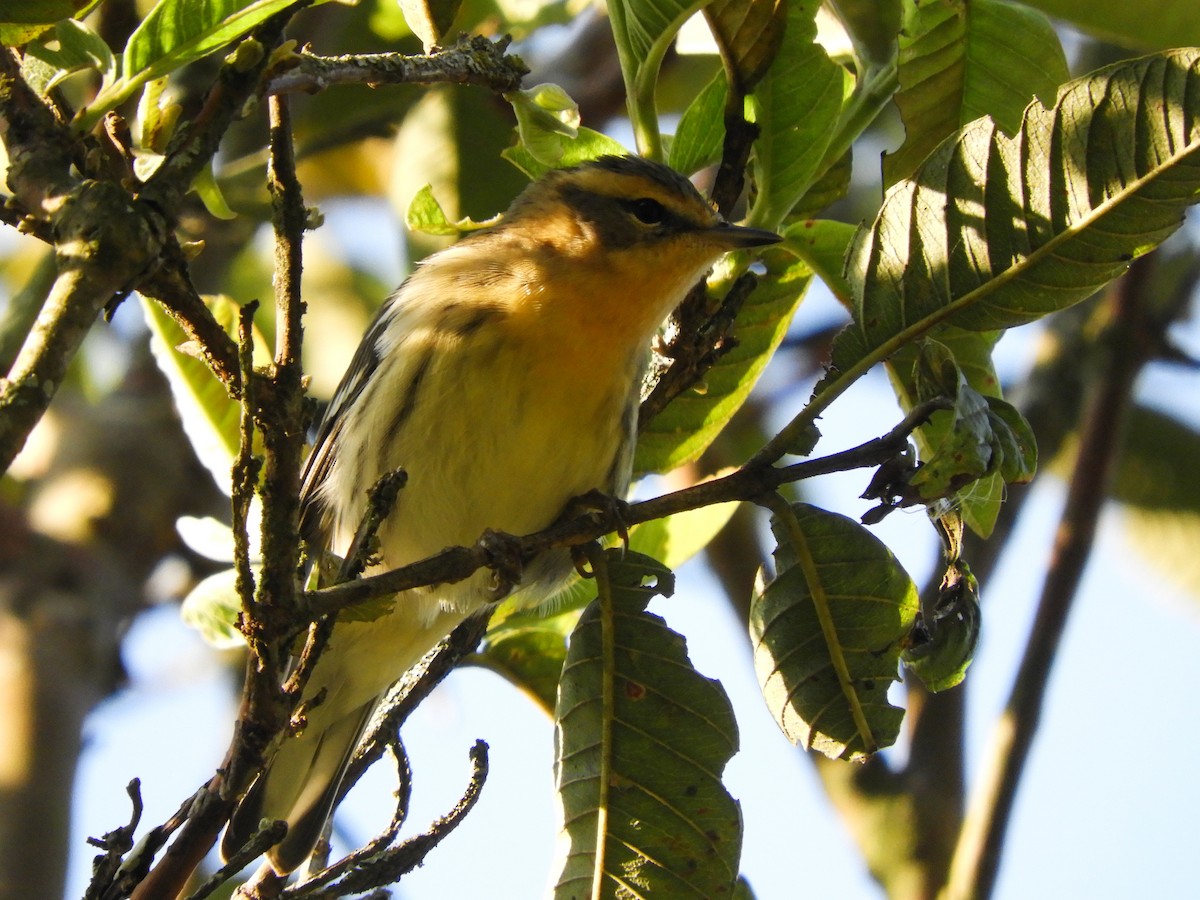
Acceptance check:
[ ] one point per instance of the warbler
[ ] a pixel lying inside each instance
(504, 377)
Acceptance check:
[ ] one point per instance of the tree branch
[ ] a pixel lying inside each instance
(1131, 344)
(472, 60)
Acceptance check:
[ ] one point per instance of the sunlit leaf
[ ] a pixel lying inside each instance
(827, 634)
(642, 740)
(173, 34)
(796, 107)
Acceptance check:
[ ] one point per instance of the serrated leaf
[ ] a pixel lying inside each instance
(993, 231)
(749, 34)
(682, 431)
(701, 132)
(210, 417)
(960, 61)
(642, 739)
(827, 634)
(796, 108)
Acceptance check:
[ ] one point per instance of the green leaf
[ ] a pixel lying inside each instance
(425, 214)
(827, 634)
(22, 21)
(209, 191)
(960, 61)
(212, 608)
(528, 647)
(210, 417)
(993, 231)
(79, 49)
(682, 431)
(1156, 483)
(822, 244)
(796, 108)
(701, 133)
(642, 740)
(173, 34)
(1145, 25)
(430, 19)
(587, 145)
(942, 644)
(749, 34)
(547, 121)
(643, 31)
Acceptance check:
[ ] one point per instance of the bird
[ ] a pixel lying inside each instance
(504, 377)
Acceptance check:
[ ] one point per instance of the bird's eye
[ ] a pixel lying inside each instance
(647, 211)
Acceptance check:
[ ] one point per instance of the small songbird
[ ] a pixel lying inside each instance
(504, 377)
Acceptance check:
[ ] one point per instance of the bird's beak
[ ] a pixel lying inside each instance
(734, 237)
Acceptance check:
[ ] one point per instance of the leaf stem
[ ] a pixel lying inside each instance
(599, 563)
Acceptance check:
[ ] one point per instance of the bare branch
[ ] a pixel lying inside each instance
(472, 60)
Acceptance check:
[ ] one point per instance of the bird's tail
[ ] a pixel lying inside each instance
(301, 782)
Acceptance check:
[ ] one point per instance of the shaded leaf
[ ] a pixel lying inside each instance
(827, 633)
(79, 49)
(961, 61)
(682, 431)
(1146, 25)
(748, 34)
(1034, 223)
(642, 739)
